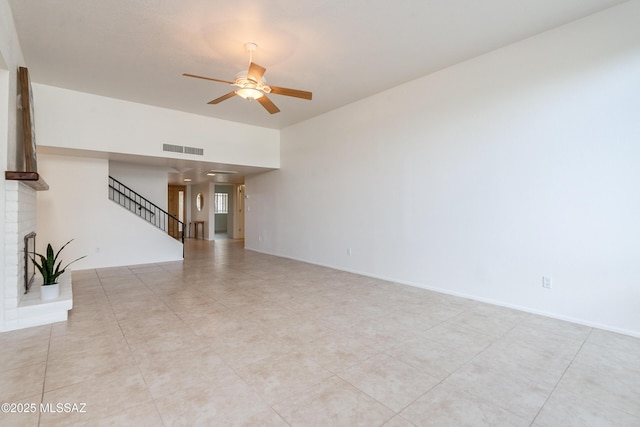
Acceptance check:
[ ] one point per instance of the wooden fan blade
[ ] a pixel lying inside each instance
(268, 105)
(291, 92)
(208, 78)
(255, 72)
(222, 98)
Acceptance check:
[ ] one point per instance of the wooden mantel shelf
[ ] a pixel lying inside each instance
(32, 179)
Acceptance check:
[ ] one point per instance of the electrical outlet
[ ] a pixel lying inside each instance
(546, 282)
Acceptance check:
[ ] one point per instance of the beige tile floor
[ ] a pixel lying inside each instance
(236, 338)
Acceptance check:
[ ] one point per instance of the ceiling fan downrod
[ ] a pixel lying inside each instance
(250, 47)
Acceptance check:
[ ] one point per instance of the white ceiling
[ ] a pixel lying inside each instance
(341, 50)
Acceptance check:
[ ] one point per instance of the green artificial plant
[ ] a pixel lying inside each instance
(47, 266)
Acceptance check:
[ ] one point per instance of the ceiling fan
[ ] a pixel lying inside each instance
(252, 85)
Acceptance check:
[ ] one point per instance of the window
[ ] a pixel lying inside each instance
(221, 201)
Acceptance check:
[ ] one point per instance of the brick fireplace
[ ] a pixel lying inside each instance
(24, 310)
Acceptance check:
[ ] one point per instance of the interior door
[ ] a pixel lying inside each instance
(178, 208)
(239, 210)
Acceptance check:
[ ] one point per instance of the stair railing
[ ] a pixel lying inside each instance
(134, 202)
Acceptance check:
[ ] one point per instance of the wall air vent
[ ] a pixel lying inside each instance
(193, 150)
(181, 149)
(173, 148)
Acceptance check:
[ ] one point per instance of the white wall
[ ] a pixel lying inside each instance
(151, 182)
(10, 59)
(76, 120)
(4, 134)
(77, 206)
(481, 178)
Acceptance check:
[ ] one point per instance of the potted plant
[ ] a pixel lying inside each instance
(50, 271)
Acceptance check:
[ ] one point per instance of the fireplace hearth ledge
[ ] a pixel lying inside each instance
(33, 312)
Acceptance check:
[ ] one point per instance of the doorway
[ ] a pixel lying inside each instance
(229, 211)
(176, 207)
(222, 205)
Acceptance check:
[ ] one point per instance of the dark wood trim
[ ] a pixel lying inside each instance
(32, 179)
(28, 125)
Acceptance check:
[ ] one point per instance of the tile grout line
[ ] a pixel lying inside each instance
(493, 341)
(44, 379)
(560, 379)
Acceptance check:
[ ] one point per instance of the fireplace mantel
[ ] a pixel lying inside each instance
(32, 179)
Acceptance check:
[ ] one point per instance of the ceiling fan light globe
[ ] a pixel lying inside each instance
(249, 93)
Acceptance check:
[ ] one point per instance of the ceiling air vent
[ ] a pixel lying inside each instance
(172, 148)
(193, 150)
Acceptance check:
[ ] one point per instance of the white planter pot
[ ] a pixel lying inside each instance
(49, 292)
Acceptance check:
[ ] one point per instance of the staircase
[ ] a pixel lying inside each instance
(134, 202)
